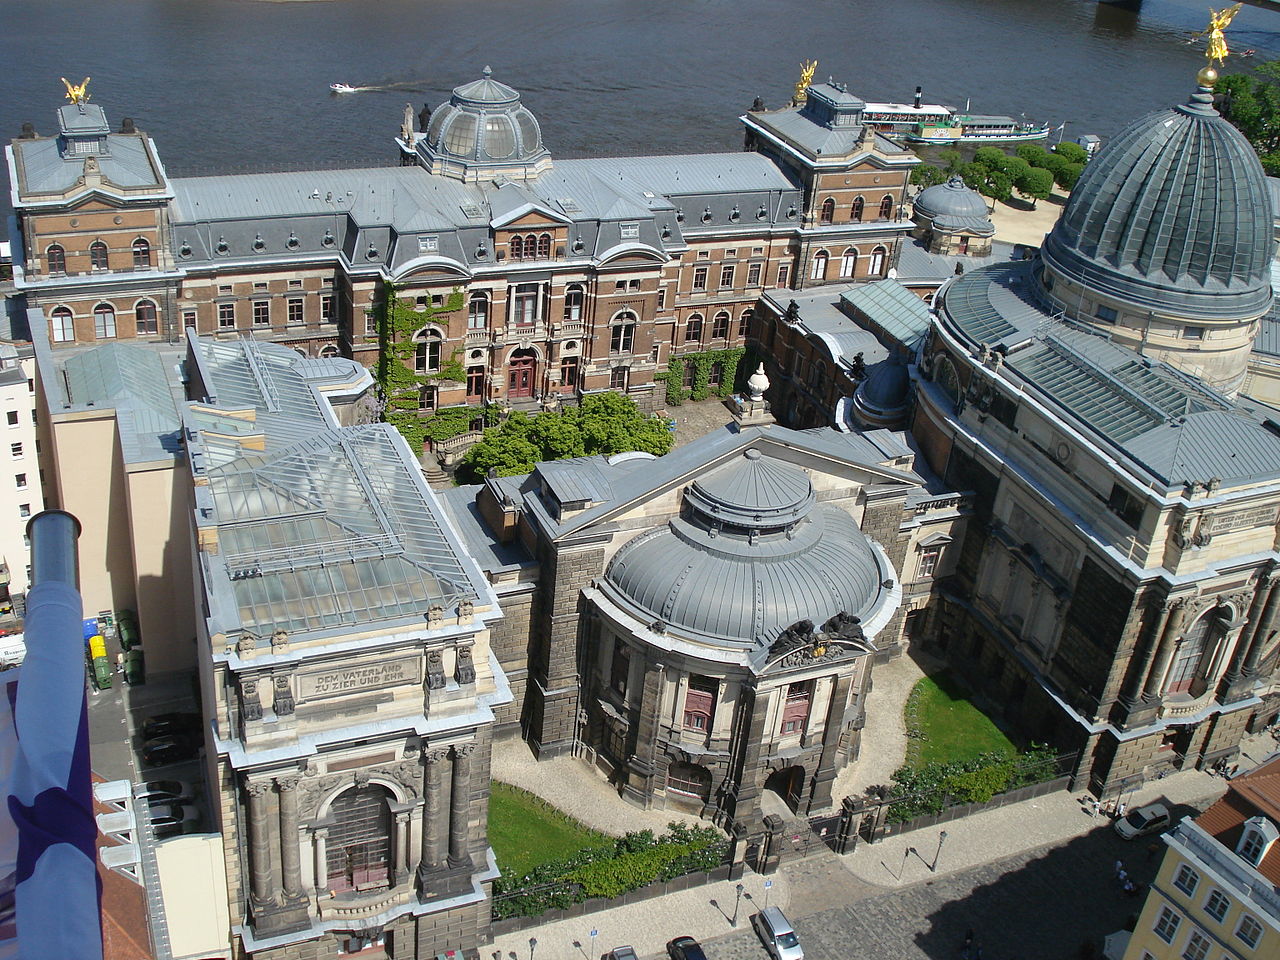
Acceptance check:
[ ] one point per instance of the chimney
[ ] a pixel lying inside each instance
(919, 96)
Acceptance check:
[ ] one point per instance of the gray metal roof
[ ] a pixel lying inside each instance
(822, 319)
(132, 380)
(727, 585)
(915, 262)
(893, 308)
(1166, 422)
(953, 201)
(318, 526)
(42, 168)
(1174, 215)
(577, 480)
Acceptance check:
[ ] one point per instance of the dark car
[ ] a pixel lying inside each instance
(161, 751)
(173, 820)
(165, 792)
(685, 948)
(168, 724)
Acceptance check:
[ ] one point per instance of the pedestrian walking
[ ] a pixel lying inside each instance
(1130, 888)
(1119, 867)
(968, 937)
(1120, 810)
(1096, 807)
(1122, 877)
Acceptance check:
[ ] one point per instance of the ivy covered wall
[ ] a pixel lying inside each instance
(673, 379)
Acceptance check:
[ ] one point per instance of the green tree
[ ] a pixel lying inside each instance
(1015, 168)
(1066, 177)
(1033, 153)
(605, 423)
(952, 160)
(997, 186)
(927, 175)
(990, 157)
(1071, 152)
(1036, 183)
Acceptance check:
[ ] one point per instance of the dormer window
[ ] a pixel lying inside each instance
(1259, 834)
(630, 231)
(428, 244)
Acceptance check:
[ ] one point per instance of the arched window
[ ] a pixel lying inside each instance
(828, 211)
(945, 377)
(818, 270)
(426, 358)
(98, 255)
(145, 316)
(720, 325)
(56, 258)
(544, 247)
(886, 207)
(693, 329)
(573, 299)
(849, 263)
(104, 321)
(1187, 672)
(141, 254)
(689, 779)
(328, 351)
(517, 248)
(62, 328)
(530, 247)
(877, 261)
(744, 323)
(358, 853)
(478, 311)
(855, 212)
(623, 333)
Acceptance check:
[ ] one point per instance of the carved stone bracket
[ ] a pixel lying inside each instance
(282, 700)
(435, 670)
(465, 671)
(466, 611)
(435, 615)
(464, 749)
(247, 646)
(250, 702)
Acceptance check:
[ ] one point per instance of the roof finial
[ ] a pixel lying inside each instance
(806, 77)
(1216, 51)
(487, 71)
(77, 93)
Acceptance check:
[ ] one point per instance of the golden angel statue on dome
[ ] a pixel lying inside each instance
(1219, 20)
(806, 77)
(77, 92)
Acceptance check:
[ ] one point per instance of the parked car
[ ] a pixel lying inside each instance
(777, 934)
(1152, 818)
(622, 953)
(165, 791)
(173, 820)
(165, 750)
(167, 724)
(685, 948)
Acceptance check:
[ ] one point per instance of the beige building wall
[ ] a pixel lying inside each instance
(159, 503)
(20, 488)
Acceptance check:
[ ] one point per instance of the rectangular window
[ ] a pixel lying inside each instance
(226, 315)
(526, 304)
(1216, 905)
(618, 378)
(370, 324)
(622, 338)
(753, 274)
(620, 668)
(475, 381)
(795, 711)
(20, 481)
(24, 509)
(630, 231)
(620, 286)
(12, 417)
(1193, 333)
(726, 275)
(260, 287)
(261, 313)
(1250, 930)
(731, 253)
(929, 562)
(428, 244)
(295, 311)
(1167, 925)
(295, 284)
(63, 326)
(699, 703)
(1105, 314)
(784, 274)
(189, 319)
(326, 308)
(15, 450)
(1128, 508)
(224, 288)
(662, 298)
(1186, 880)
(699, 278)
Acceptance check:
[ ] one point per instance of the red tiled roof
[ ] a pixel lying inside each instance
(125, 931)
(1248, 795)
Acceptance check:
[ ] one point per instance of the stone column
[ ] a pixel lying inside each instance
(400, 847)
(1261, 594)
(1133, 690)
(1168, 642)
(432, 813)
(460, 806)
(320, 842)
(642, 765)
(290, 845)
(1260, 636)
(262, 879)
(825, 774)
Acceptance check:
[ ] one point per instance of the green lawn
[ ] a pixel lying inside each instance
(526, 832)
(950, 727)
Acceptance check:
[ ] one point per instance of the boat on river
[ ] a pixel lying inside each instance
(937, 123)
(342, 88)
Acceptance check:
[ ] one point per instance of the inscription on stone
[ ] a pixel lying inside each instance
(367, 676)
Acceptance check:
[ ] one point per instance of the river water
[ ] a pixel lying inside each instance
(230, 85)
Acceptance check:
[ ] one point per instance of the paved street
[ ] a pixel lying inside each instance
(1041, 904)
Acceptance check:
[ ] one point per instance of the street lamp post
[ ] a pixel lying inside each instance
(942, 838)
(734, 921)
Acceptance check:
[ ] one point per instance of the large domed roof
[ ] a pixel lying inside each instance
(753, 555)
(1173, 215)
(484, 131)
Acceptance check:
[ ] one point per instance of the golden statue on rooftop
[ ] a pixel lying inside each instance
(77, 93)
(1219, 20)
(806, 77)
